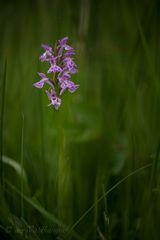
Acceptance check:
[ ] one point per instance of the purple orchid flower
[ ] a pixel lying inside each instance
(68, 85)
(69, 53)
(63, 41)
(70, 65)
(64, 76)
(47, 54)
(55, 101)
(46, 47)
(63, 45)
(54, 69)
(43, 80)
(53, 60)
(62, 66)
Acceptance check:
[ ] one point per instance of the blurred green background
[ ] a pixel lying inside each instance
(90, 170)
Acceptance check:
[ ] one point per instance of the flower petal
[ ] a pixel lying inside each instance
(42, 75)
(39, 84)
(63, 41)
(46, 47)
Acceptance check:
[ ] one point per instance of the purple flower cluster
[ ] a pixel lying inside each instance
(62, 66)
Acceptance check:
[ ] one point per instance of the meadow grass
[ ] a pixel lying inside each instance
(91, 169)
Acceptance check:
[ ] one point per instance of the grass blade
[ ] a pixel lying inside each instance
(107, 192)
(40, 209)
(2, 120)
(22, 150)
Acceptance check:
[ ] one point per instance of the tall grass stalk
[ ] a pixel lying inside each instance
(3, 89)
(22, 167)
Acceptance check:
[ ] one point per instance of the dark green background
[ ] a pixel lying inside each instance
(106, 130)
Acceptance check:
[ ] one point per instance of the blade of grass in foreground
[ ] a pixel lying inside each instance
(46, 214)
(154, 173)
(22, 148)
(2, 120)
(106, 193)
(17, 168)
